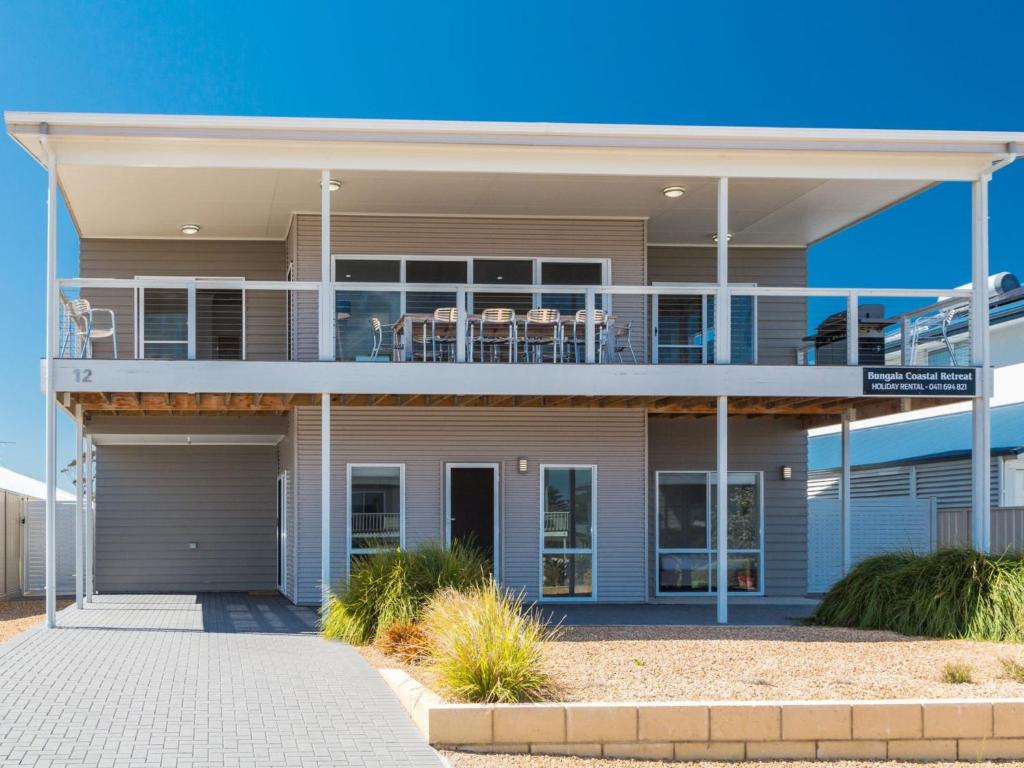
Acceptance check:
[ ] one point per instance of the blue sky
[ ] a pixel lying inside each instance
(859, 65)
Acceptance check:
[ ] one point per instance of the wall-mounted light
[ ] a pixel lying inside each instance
(674, 191)
(332, 184)
(524, 465)
(786, 472)
(189, 229)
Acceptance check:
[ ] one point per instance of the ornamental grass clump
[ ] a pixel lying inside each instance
(957, 674)
(483, 646)
(405, 640)
(394, 586)
(951, 593)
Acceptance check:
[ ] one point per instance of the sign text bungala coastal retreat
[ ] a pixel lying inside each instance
(932, 382)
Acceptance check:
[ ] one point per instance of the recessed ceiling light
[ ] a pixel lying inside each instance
(332, 184)
(189, 229)
(675, 191)
(728, 237)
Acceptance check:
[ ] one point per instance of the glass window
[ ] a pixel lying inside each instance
(368, 270)
(164, 323)
(687, 528)
(565, 272)
(417, 271)
(498, 272)
(375, 499)
(743, 329)
(682, 511)
(567, 552)
(219, 324)
(355, 310)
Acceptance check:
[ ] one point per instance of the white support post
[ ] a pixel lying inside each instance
(723, 302)
(191, 319)
(79, 512)
(845, 520)
(90, 524)
(325, 497)
(327, 314)
(460, 324)
(981, 435)
(50, 435)
(722, 503)
(852, 330)
(589, 338)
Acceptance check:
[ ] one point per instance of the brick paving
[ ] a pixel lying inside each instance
(186, 681)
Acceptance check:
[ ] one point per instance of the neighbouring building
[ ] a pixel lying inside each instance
(293, 342)
(22, 531)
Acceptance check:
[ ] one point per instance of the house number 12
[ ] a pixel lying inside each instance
(83, 375)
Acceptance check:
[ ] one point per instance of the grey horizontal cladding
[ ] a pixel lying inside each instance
(266, 313)
(622, 241)
(761, 444)
(948, 482)
(864, 484)
(425, 439)
(781, 321)
(152, 502)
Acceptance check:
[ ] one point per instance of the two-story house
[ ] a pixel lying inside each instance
(295, 341)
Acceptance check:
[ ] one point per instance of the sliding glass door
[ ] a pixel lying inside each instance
(568, 512)
(686, 533)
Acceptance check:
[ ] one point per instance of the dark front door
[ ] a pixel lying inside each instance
(471, 510)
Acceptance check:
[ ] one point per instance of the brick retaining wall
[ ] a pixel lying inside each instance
(903, 729)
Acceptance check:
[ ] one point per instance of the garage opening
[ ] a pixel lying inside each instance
(186, 518)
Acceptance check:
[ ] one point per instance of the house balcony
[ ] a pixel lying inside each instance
(168, 344)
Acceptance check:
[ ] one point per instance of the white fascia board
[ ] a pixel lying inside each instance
(477, 158)
(456, 379)
(456, 131)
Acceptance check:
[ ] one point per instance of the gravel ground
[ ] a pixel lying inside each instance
(18, 615)
(465, 760)
(761, 663)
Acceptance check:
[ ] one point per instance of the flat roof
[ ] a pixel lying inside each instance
(244, 177)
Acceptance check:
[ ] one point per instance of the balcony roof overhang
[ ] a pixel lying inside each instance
(243, 177)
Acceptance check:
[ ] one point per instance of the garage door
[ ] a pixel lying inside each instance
(185, 518)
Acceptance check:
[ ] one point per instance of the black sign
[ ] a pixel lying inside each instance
(927, 382)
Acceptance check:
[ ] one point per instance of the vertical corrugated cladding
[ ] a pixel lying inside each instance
(755, 444)
(622, 241)
(425, 439)
(248, 259)
(781, 320)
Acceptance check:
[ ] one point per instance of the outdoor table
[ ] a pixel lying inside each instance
(403, 329)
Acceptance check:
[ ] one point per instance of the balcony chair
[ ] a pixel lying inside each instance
(81, 329)
(444, 332)
(579, 333)
(497, 326)
(542, 327)
(623, 340)
(377, 334)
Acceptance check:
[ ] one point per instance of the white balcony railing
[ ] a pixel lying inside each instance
(179, 318)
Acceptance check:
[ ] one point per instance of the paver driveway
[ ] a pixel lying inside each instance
(196, 680)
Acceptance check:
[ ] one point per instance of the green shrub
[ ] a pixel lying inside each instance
(1013, 670)
(957, 674)
(394, 585)
(483, 647)
(952, 593)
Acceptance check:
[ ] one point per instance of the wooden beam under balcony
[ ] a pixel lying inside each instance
(813, 411)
